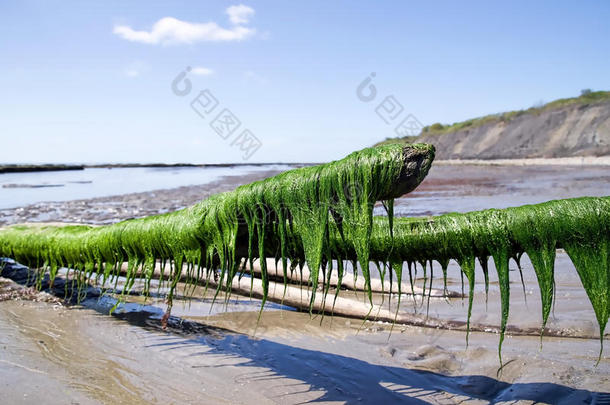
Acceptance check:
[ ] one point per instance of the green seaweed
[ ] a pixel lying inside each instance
(320, 214)
(581, 226)
(262, 213)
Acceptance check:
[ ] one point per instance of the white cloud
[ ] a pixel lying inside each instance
(240, 14)
(202, 71)
(170, 30)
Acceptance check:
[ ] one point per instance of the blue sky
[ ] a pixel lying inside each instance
(91, 81)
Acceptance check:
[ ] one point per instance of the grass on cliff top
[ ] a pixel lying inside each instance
(587, 97)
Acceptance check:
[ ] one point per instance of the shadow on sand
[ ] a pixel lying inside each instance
(353, 381)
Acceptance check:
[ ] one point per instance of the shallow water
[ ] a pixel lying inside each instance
(470, 187)
(17, 189)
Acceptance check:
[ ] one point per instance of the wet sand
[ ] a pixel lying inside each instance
(52, 353)
(561, 161)
(81, 355)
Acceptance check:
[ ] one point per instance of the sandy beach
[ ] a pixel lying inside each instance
(220, 354)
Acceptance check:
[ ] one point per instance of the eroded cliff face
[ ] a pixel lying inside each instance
(574, 130)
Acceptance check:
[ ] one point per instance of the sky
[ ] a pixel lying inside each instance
(260, 81)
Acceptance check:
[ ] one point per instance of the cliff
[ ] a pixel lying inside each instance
(577, 126)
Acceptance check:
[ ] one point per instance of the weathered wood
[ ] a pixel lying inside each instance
(348, 282)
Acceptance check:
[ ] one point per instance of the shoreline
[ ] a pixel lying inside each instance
(562, 161)
(118, 207)
(27, 168)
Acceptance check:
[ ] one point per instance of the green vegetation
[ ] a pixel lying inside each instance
(322, 216)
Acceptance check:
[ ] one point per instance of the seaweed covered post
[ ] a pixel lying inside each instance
(251, 221)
